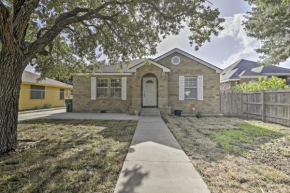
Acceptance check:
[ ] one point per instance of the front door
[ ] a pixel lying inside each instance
(149, 91)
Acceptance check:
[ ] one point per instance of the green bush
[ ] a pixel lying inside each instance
(47, 106)
(263, 84)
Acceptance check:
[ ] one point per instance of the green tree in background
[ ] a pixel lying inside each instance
(273, 83)
(59, 37)
(269, 21)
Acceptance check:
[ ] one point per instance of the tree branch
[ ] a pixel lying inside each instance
(6, 36)
(22, 17)
(4, 15)
(16, 7)
(66, 19)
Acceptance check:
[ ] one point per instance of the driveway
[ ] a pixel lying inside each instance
(156, 163)
(61, 114)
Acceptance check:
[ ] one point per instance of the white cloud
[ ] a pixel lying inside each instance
(234, 28)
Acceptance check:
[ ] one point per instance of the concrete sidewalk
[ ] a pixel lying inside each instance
(61, 114)
(156, 163)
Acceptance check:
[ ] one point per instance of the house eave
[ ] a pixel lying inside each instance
(253, 76)
(48, 85)
(134, 68)
(229, 80)
(106, 74)
(275, 74)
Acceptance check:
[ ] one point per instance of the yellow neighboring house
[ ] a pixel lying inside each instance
(42, 94)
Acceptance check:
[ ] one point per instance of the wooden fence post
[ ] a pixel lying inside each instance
(263, 105)
(242, 103)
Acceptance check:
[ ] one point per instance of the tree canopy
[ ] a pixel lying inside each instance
(269, 21)
(61, 36)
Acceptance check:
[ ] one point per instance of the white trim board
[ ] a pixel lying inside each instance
(218, 70)
(253, 77)
(229, 80)
(106, 73)
(134, 68)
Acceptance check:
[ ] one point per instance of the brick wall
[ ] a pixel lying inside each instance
(189, 67)
(82, 97)
(162, 87)
(168, 90)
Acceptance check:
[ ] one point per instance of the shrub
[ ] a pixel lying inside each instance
(47, 106)
(263, 84)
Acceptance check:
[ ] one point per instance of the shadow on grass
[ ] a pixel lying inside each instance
(73, 156)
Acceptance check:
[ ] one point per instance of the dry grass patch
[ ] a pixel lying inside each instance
(236, 155)
(66, 156)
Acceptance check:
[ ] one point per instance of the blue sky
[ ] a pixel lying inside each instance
(231, 45)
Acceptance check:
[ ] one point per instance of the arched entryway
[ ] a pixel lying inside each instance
(149, 90)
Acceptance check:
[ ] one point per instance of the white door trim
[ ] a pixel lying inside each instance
(149, 94)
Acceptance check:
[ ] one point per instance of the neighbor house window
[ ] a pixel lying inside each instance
(116, 87)
(190, 87)
(61, 94)
(37, 92)
(102, 87)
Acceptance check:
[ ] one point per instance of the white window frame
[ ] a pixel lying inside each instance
(196, 87)
(102, 87)
(113, 87)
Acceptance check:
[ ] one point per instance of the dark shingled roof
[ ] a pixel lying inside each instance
(272, 70)
(250, 68)
(121, 68)
(30, 77)
(233, 71)
(250, 73)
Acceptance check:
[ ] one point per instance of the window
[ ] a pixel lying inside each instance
(116, 88)
(190, 87)
(102, 87)
(37, 92)
(61, 94)
(175, 60)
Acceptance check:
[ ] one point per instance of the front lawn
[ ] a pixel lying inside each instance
(66, 156)
(235, 155)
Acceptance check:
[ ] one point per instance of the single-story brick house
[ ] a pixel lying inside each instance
(175, 80)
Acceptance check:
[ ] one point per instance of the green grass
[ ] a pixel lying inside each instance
(253, 134)
(66, 156)
(236, 155)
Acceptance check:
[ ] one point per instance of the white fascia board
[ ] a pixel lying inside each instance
(275, 74)
(105, 74)
(229, 80)
(218, 70)
(165, 69)
(253, 76)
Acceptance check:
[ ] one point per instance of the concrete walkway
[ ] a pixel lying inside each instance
(61, 114)
(156, 163)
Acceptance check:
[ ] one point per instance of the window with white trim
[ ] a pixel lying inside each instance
(190, 87)
(116, 87)
(102, 87)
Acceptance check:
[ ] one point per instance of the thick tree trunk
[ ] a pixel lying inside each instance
(11, 69)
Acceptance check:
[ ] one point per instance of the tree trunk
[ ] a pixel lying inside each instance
(11, 69)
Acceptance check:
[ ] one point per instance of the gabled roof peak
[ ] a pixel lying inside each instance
(218, 70)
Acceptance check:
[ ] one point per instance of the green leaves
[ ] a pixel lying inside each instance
(263, 84)
(269, 22)
(82, 32)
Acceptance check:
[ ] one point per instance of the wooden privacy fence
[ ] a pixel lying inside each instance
(268, 106)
